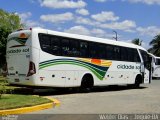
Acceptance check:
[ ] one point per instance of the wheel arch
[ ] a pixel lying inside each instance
(89, 76)
(139, 78)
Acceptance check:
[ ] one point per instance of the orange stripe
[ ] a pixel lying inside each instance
(96, 61)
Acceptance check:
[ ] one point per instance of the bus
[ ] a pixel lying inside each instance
(155, 66)
(46, 58)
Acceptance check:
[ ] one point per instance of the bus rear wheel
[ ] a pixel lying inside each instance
(138, 81)
(87, 83)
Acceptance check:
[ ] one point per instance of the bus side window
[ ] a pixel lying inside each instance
(84, 49)
(136, 56)
(109, 52)
(124, 54)
(130, 54)
(117, 53)
(65, 46)
(101, 49)
(45, 43)
(92, 50)
(55, 42)
(74, 48)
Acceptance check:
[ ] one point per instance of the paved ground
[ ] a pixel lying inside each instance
(107, 100)
(110, 100)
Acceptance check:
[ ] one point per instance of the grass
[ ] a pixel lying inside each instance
(10, 101)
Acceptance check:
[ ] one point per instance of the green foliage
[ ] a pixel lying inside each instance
(155, 43)
(137, 41)
(3, 88)
(8, 23)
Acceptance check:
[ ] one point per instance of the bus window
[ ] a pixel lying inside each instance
(117, 54)
(74, 48)
(93, 50)
(45, 43)
(124, 54)
(101, 51)
(65, 47)
(130, 54)
(55, 43)
(109, 52)
(136, 56)
(84, 49)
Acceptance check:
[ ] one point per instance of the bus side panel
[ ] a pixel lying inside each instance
(121, 73)
(118, 73)
(51, 78)
(57, 75)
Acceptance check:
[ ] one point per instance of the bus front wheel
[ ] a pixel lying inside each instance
(138, 81)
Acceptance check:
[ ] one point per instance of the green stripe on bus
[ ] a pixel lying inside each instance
(98, 72)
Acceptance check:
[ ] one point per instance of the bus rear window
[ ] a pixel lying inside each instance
(19, 42)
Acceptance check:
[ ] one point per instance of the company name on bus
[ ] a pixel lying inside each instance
(127, 67)
(18, 50)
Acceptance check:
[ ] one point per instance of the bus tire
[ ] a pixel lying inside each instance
(138, 81)
(87, 83)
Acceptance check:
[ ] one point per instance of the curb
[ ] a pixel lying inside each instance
(54, 103)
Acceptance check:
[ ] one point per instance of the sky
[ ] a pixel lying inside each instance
(99, 18)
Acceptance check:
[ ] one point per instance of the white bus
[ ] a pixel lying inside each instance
(155, 66)
(40, 57)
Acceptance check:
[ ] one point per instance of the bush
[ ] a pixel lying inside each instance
(3, 87)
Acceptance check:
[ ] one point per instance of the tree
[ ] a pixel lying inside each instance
(155, 43)
(137, 41)
(8, 23)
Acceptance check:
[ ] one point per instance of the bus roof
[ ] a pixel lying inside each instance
(84, 37)
(15, 33)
